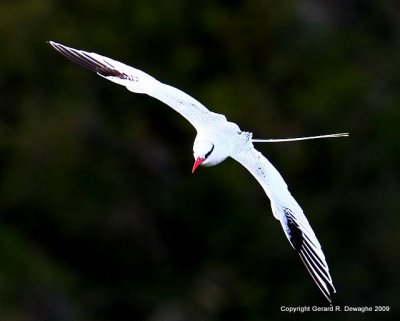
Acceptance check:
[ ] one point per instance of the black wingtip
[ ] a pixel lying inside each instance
(51, 43)
(56, 46)
(326, 288)
(88, 61)
(315, 264)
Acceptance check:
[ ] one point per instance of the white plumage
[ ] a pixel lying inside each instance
(216, 140)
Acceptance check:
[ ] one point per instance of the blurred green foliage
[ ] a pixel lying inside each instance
(100, 216)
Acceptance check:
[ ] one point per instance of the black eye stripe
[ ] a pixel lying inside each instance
(208, 154)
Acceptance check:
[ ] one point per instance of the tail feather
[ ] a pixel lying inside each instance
(280, 140)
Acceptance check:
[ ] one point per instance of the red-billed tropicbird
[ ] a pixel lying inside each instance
(216, 140)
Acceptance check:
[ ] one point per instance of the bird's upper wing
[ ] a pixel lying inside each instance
(139, 82)
(289, 213)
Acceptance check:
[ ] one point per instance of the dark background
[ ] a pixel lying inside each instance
(100, 217)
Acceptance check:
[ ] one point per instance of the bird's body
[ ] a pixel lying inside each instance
(216, 140)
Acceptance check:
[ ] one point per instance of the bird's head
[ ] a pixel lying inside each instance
(202, 152)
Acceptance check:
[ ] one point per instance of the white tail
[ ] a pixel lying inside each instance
(279, 140)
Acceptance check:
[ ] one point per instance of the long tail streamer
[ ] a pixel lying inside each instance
(280, 140)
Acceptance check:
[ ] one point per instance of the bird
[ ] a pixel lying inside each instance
(216, 140)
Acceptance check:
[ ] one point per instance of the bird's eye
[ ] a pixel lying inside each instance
(210, 151)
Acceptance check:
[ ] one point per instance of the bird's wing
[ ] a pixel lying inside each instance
(289, 213)
(139, 82)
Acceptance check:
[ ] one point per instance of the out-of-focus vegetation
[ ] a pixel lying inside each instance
(100, 218)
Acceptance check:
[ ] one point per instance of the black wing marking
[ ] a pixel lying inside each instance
(306, 249)
(138, 81)
(83, 59)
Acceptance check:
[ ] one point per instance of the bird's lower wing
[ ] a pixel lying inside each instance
(289, 213)
(138, 81)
